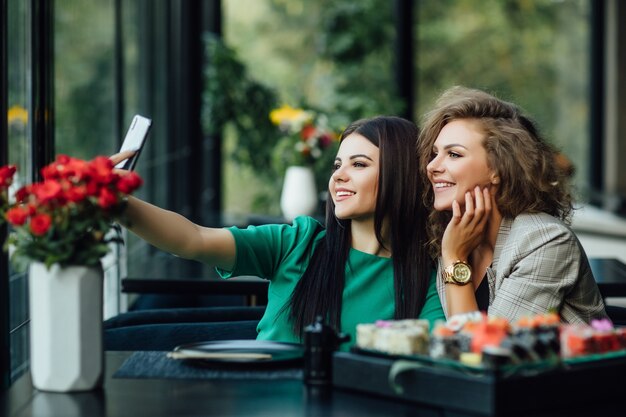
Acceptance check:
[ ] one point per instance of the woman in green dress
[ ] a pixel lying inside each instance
(367, 263)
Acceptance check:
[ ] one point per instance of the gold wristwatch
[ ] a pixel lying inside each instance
(458, 273)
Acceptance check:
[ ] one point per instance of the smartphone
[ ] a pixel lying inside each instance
(134, 141)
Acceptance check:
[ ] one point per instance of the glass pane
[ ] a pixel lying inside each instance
(534, 53)
(19, 87)
(84, 78)
(333, 57)
(19, 154)
(131, 27)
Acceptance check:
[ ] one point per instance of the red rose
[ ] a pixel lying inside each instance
(93, 188)
(76, 194)
(107, 198)
(77, 169)
(56, 169)
(17, 215)
(63, 159)
(129, 182)
(50, 172)
(23, 193)
(6, 175)
(47, 190)
(308, 131)
(102, 170)
(40, 224)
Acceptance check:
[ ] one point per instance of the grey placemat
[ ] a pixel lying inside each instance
(156, 364)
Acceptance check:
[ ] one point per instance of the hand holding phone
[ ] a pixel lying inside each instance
(134, 141)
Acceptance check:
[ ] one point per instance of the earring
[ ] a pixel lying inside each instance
(495, 181)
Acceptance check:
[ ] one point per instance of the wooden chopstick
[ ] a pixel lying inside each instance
(218, 355)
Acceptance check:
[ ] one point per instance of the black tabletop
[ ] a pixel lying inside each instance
(171, 397)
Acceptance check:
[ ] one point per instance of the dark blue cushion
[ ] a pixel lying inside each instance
(154, 301)
(166, 336)
(184, 315)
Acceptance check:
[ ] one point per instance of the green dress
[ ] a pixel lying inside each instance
(280, 254)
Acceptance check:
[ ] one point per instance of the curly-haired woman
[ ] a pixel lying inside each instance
(502, 207)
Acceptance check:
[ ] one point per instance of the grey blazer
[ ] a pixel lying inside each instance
(538, 265)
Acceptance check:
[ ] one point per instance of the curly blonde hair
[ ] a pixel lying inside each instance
(530, 180)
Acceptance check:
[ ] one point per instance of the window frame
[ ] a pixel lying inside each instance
(5, 358)
(40, 134)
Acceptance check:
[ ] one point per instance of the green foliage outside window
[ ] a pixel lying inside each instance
(232, 97)
(337, 55)
(84, 85)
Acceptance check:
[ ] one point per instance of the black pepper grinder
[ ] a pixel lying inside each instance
(320, 341)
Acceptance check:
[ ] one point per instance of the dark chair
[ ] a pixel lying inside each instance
(196, 292)
(617, 315)
(184, 315)
(164, 329)
(150, 328)
(164, 301)
(166, 336)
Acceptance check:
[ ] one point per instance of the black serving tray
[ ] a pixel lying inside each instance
(483, 391)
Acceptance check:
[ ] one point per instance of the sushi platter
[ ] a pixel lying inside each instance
(486, 367)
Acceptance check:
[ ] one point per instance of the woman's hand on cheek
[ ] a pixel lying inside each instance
(466, 228)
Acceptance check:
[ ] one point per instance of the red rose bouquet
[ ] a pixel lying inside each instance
(66, 218)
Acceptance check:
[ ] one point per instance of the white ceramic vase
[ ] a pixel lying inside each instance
(66, 347)
(299, 194)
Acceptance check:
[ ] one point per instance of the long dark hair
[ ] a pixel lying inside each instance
(398, 206)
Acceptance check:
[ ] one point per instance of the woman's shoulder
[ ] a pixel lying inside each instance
(536, 233)
(278, 240)
(307, 222)
(303, 228)
(537, 219)
(539, 225)
(300, 223)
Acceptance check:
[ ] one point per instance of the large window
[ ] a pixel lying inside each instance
(336, 57)
(342, 56)
(534, 53)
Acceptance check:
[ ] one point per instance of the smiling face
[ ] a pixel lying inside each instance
(459, 163)
(354, 183)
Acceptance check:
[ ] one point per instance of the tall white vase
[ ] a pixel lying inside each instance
(299, 195)
(66, 347)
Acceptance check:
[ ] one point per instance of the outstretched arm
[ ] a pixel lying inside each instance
(176, 234)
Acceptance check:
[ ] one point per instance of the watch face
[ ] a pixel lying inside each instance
(462, 273)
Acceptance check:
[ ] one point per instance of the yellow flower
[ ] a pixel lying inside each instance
(287, 114)
(18, 114)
